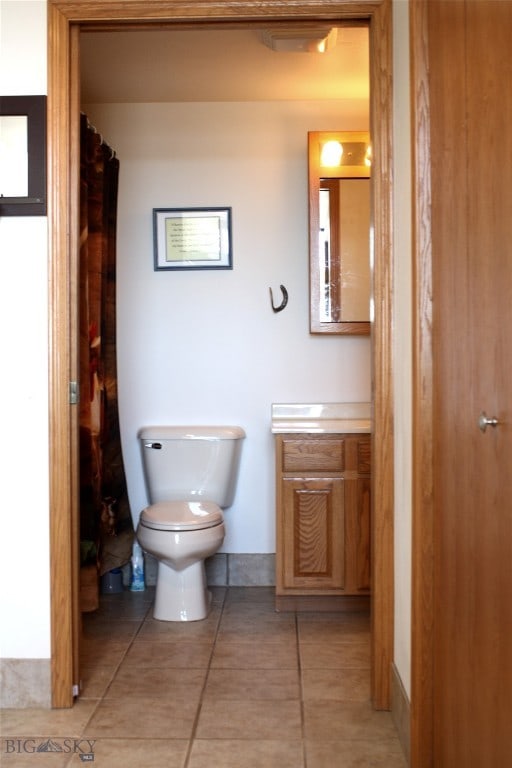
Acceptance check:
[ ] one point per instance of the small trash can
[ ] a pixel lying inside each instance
(112, 582)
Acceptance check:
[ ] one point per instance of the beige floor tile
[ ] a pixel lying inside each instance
(96, 652)
(337, 656)
(173, 631)
(262, 632)
(95, 681)
(340, 720)
(332, 629)
(132, 606)
(19, 754)
(252, 684)
(221, 753)
(146, 682)
(47, 723)
(157, 682)
(336, 684)
(355, 754)
(247, 620)
(249, 720)
(144, 653)
(113, 629)
(258, 609)
(138, 717)
(135, 753)
(337, 617)
(255, 655)
(251, 595)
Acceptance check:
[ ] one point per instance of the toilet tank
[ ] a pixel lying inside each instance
(191, 463)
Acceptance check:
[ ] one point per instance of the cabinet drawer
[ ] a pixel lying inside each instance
(364, 456)
(313, 455)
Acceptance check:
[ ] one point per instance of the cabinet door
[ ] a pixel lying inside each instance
(357, 533)
(313, 533)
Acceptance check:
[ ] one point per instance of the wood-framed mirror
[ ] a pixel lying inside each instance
(339, 231)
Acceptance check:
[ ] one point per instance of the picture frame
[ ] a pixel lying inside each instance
(192, 238)
(23, 155)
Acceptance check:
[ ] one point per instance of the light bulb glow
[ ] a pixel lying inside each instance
(331, 154)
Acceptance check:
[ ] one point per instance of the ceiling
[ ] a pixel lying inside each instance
(163, 65)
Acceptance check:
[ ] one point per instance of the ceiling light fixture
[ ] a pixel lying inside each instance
(314, 40)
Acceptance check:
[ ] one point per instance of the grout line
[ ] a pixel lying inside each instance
(201, 695)
(222, 604)
(116, 668)
(301, 689)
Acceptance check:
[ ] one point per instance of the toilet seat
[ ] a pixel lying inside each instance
(181, 515)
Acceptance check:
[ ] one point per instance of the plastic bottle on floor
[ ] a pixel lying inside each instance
(137, 583)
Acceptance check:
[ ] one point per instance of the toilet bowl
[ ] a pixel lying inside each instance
(191, 475)
(173, 533)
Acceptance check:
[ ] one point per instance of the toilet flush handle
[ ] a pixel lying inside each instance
(157, 446)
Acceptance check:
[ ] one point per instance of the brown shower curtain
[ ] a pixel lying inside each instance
(106, 530)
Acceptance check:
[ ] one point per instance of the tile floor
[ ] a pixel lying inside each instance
(245, 688)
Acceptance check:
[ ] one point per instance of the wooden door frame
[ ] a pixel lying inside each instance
(65, 18)
(422, 625)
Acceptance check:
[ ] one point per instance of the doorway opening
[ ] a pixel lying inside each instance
(65, 23)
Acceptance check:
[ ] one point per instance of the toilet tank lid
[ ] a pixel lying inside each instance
(187, 432)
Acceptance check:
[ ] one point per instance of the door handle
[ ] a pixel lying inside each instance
(484, 421)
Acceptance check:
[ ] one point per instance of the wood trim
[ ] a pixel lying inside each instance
(61, 551)
(62, 15)
(140, 11)
(422, 503)
(382, 374)
(323, 178)
(74, 336)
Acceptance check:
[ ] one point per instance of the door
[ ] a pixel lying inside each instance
(471, 164)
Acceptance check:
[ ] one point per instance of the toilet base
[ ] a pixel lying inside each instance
(181, 595)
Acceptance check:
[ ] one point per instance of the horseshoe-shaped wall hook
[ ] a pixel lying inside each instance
(284, 301)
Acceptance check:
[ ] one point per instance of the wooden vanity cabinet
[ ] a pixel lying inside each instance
(323, 516)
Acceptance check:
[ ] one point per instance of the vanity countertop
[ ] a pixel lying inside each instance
(321, 418)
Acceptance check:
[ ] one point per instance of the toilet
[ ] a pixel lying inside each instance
(191, 474)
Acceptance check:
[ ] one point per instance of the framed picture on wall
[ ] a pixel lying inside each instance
(192, 238)
(22, 155)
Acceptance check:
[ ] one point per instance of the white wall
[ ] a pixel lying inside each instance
(205, 346)
(402, 346)
(24, 562)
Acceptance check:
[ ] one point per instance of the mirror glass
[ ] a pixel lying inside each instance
(339, 220)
